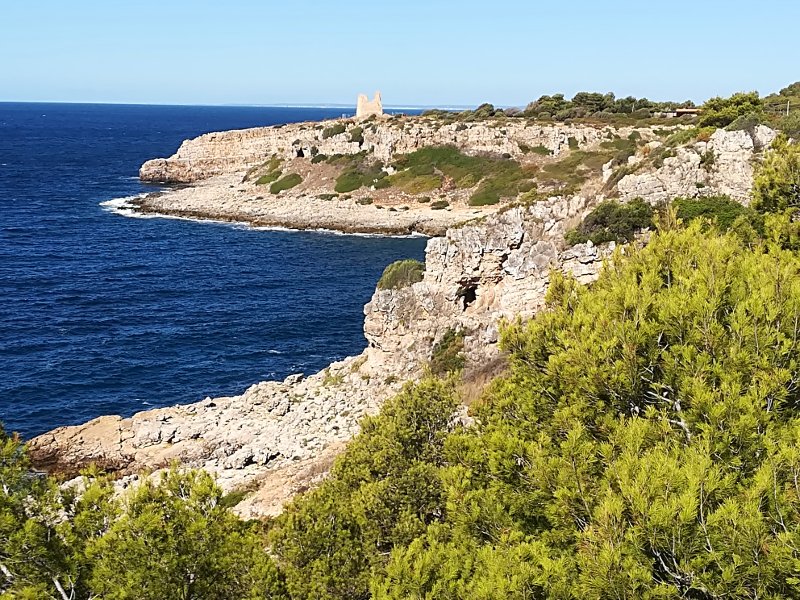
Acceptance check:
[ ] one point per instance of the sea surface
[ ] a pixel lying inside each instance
(103, 314)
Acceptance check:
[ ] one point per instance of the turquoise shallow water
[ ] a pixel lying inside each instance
(102, 314)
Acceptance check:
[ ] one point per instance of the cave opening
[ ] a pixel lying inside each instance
(468, 293)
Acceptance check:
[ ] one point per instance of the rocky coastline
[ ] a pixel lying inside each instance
(482, 266)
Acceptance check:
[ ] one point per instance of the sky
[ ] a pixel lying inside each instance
(417, 52)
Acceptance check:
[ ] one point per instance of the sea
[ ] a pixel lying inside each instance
(102, 313)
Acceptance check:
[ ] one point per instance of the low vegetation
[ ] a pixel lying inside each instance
(285, 183)
(776, 186)
(333, 130)
(495, 177)
(447, 355)
(401, 273)
(612, 221)
(721, 211)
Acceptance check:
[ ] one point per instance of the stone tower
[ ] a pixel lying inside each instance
(366, 107)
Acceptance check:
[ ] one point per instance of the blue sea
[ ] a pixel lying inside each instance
(103, 314)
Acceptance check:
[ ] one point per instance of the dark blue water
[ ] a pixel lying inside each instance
(102, 314)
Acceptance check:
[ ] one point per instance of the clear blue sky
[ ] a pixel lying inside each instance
(417, 52)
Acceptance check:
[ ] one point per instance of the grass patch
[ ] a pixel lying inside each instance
(285, 183)
(423, 170)
(413, 183)
(401, 273)
(540, 150)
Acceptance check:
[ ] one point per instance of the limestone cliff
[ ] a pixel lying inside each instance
(234, 151)
(722, 165)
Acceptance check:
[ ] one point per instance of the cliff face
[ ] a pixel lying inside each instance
(722, 165)
(232, 151)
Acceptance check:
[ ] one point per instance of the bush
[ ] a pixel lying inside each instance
(439, 204)
(447, 355)
(790, 125)
(540, 150)
(720, 210)
(366, 201)
(268, 178)
(318, 159)
(776, 185)
(721, 112)
(401, 273)
(285, 183)
(612, 222)
(333, 130)
(348, 182)
(357, 135)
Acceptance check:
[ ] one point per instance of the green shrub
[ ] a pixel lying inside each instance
(612, 221)
(327, 196)
(501, 176)
(268, 178)
(447, 355)
(790, 125)
(572, 143)
(333, 130)
(348, 182)
(424, 199)
(318, 159)
(364, 201)
(357, 135)
(401, 273)
(776, 185)
(285, 183)
(721, 210)
(721, 112)
(439, 204)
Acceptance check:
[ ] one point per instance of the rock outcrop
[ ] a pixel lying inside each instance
(722, 165)
(235, 151)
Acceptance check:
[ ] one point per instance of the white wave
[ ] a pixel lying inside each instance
(274, 352)
(124, 206)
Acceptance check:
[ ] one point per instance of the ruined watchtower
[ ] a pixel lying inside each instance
(366, 107)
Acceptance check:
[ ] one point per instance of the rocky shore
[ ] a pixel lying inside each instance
(225, 198)
(278, 438)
